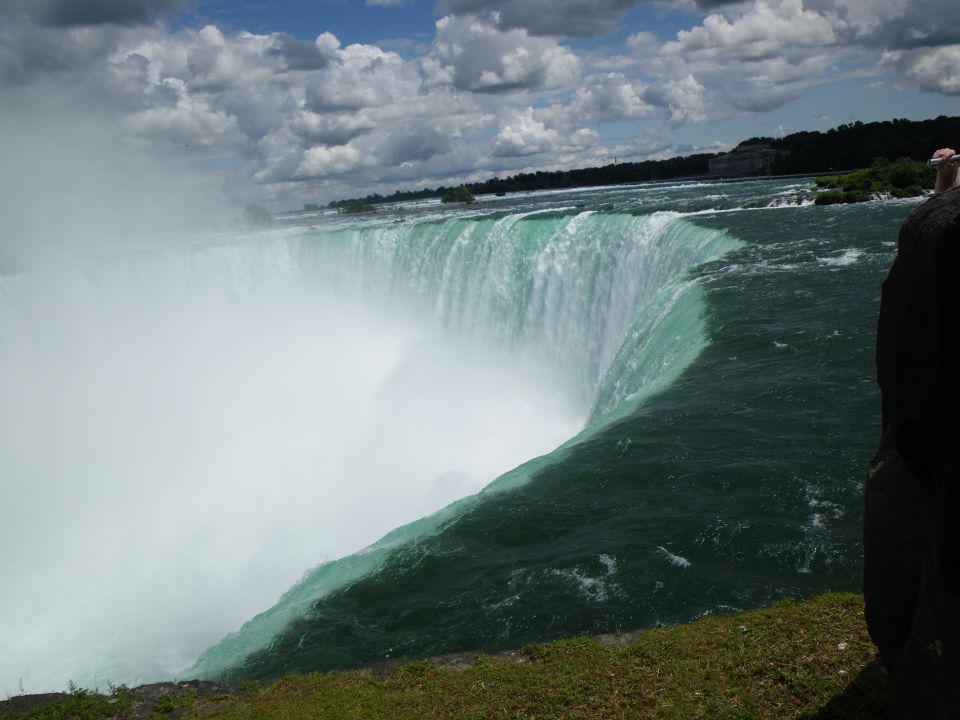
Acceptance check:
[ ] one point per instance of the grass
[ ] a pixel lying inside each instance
(79, 704)
(810, 660)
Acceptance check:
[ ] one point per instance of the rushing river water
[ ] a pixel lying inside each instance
(447, 428)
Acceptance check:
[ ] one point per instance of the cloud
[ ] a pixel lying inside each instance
(525, 135)
(644, 42)
(328, 128)
(712, 4)
(495, 89)
(471, 54)
(364, 76)
(190, 120)
(336, 93)
(754, 58)
(648, 144)
(559, 18)
(564, 18)
(297, 54)
(74, 13)
(759, 100)
(758, 56)
(767, 31)
(896, 24)
(555, 129)
(322, 162)
(415, 144)
(610, 96)
(932, 71)
(31, 52)
(683, 100)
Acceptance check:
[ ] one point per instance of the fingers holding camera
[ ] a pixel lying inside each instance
(947, 175)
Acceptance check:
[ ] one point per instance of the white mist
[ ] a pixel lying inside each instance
(185, 429)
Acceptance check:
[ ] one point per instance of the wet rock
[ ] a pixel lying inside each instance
(172, 699)
(912, 505)
(21, 704)
(147, 702)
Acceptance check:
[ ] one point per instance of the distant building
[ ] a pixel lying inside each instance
(756, 159)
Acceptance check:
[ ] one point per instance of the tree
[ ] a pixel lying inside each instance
(460, 194)
(354, 207)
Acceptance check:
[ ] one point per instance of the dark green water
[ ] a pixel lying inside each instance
(737, 484)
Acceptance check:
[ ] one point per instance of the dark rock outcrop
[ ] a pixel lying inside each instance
(912, 523)
(146, 702)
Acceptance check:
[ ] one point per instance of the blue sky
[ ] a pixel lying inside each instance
(352, 22)
(286, 102)
(359, 22)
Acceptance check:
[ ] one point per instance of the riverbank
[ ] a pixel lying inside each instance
(807, 660)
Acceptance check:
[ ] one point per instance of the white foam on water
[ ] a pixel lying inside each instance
(848, 257)
(676, 560)
(594, 588)
(609, 563)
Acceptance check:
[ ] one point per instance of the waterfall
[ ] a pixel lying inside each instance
(604, 302)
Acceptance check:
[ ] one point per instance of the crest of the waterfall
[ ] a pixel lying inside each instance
(583, 294)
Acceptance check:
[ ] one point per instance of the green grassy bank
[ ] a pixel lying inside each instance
(793, 660)
(901, 178)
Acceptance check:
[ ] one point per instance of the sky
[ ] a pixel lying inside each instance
(285, 102)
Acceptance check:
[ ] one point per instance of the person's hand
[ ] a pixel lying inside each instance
(945, 153)
(946, 171)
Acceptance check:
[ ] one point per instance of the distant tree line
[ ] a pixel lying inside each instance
(354, 207)
(857, 145)
(846, 147)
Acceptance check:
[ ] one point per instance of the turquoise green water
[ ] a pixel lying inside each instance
(720, 353)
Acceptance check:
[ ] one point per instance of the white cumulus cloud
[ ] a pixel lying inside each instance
(936, 70)
(324, 161)
(471, 54)
(525, 135)
(683, 100)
